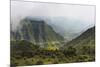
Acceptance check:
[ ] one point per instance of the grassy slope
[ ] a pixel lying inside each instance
(85, 39)
(84, 44)
(78, 50)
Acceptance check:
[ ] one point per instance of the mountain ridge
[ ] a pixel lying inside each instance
(35, 31)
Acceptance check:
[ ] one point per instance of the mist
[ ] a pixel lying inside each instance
(63, 18)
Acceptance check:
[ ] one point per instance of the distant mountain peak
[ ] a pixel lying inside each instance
(36, 31)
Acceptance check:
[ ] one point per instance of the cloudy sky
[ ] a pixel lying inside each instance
(22, 9)
(72, 17)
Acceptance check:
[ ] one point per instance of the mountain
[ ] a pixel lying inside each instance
(84, 44)
(86, 37)
(25, 47)
(36, 31)
(67, 27)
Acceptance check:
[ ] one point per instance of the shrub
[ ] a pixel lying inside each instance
(39, 62)
(70, 51)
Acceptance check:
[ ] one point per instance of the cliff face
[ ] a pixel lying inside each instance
(35, 31)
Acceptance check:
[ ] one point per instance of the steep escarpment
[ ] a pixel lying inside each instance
(36, 31)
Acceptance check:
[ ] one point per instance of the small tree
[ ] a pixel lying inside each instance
(70, 51)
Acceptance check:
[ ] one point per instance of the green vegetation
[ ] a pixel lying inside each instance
(83, 46)
(35, 31)
(25, 49)
(26, 53)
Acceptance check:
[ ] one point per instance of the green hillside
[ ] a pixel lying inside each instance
(84, 44)
(36, 43)
(37, 32)
(85, 39)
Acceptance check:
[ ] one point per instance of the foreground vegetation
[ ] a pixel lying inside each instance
(25, 53)
(80, 49)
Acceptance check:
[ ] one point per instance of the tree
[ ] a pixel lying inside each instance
(70, 51)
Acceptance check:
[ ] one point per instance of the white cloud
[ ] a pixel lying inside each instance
(20, 9)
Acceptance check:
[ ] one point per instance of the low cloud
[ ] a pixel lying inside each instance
(20, 10)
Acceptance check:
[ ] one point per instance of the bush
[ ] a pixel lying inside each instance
(55, 62)
(88, 50)
(70, 51)
(82, 58)
(39, 62)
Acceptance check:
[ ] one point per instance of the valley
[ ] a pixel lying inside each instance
(37, 43)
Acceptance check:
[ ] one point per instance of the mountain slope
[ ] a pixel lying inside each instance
(36, 31)
(80, 49)
(86, 38)
(84, 44)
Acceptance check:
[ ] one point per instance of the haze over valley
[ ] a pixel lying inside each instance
(49, 33)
